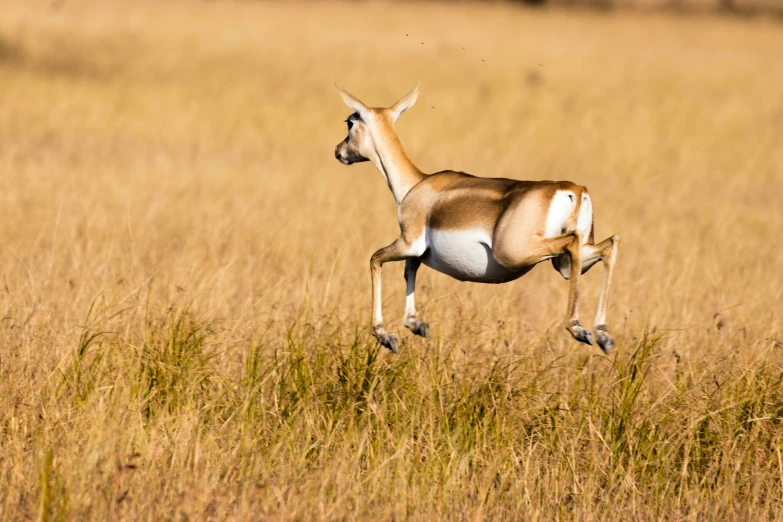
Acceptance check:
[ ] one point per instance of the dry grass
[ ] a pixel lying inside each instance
(185, 283)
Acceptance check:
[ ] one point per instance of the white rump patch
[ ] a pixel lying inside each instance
(585, 220)
(560, 208)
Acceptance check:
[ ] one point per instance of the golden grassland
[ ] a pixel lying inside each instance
(185, 280)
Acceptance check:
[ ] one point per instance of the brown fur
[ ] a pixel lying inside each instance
(513, 213)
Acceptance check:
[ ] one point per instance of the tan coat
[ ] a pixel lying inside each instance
(487, 230)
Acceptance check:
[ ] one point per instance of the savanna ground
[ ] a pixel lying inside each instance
(185, 280)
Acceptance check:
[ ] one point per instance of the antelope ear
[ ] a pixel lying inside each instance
(405, 103)
(351, 101)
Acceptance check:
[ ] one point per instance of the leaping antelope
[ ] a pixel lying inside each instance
(485, 230)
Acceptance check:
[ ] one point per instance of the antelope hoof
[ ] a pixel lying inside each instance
(419, 328)
(387, 340)
(579, 333)
(605, 341)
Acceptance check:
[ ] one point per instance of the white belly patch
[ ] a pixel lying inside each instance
(465, 255)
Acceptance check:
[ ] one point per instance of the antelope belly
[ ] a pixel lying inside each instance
(465, 255)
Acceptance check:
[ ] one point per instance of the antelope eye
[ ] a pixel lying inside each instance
(350, 124)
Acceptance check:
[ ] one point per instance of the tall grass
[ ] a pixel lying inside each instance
(185, 293)
(325, 425)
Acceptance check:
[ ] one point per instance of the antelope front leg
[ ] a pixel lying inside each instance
(418, 327)
(607, 251)
(397, 251)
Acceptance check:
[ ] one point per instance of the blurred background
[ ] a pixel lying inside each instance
(741, 7)
(185, 281)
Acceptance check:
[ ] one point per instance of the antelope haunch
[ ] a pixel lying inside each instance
(486, 230)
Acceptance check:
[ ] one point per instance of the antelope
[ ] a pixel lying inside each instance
(484, 230)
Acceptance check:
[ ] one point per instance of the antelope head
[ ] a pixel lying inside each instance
(369, 126)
